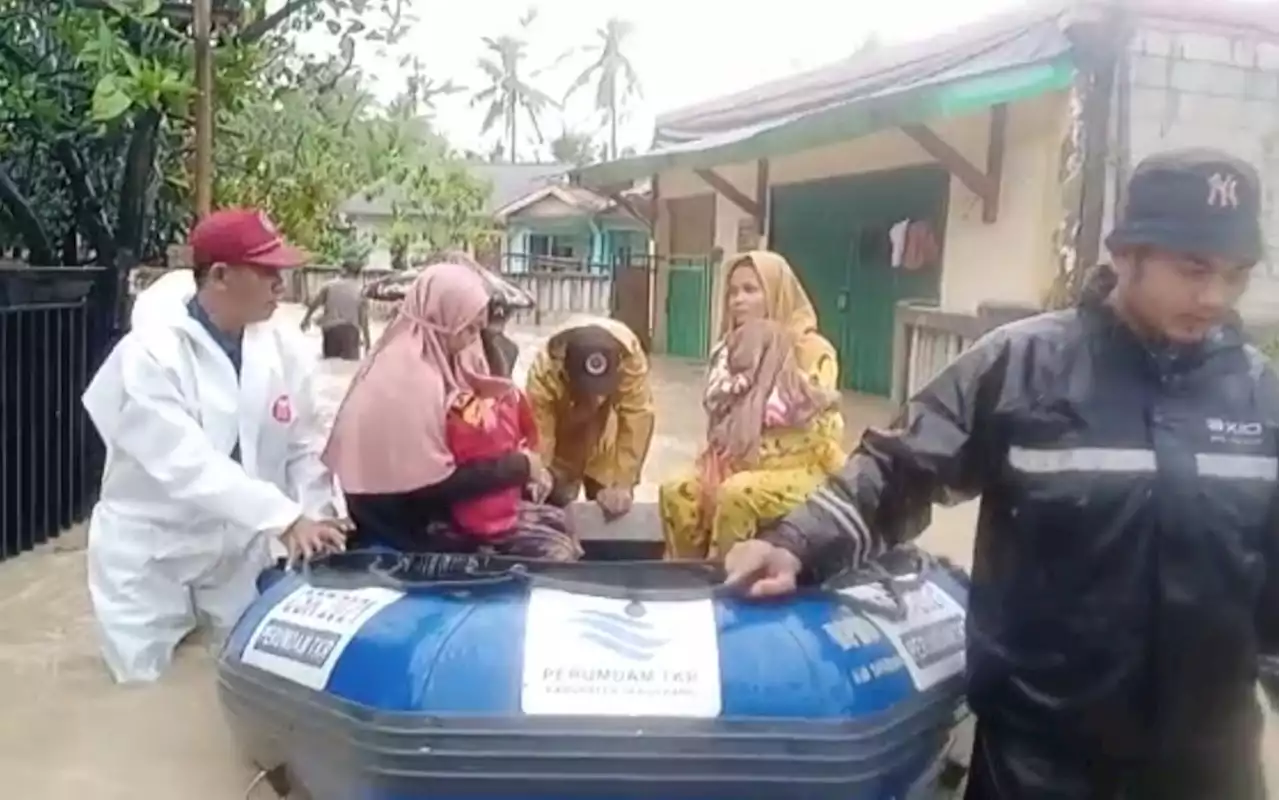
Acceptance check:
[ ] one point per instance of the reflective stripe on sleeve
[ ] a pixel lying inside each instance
(1037, 461)
(1081, 459)
(849, 521)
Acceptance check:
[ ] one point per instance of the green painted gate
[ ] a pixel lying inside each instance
(835, 233)
(689, 306)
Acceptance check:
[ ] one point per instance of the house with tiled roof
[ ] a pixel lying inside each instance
(539, 222)
(1004, 144)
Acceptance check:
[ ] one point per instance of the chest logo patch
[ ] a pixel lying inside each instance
(1225, 431)
(282, 410)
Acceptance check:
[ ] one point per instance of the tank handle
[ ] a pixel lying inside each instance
(452, 572)
(895, 585)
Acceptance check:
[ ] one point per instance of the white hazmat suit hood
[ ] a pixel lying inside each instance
(181, 529)
(165, 299)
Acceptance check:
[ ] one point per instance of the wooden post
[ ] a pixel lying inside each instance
(762, 203)
(1098, 46)
(202, 29)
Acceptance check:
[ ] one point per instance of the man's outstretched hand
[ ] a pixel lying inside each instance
(307, 538)
(760, 569)
(614, 501)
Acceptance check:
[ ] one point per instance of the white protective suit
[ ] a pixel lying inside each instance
(181, 530)
(166, 298)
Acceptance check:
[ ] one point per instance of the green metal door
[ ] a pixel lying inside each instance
(688, 307)
(835, 233)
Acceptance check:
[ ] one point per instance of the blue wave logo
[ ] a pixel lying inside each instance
(631, 637)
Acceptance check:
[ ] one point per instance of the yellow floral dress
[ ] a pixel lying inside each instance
(792, 462)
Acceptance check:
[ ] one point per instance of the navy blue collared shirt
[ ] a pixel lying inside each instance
(231, 344)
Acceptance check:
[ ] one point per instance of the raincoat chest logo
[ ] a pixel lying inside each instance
(1234, 431)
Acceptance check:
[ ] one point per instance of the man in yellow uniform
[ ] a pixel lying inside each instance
(589, 388)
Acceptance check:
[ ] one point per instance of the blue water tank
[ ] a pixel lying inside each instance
(596, 682)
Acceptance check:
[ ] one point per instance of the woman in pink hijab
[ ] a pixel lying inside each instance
(388, 447)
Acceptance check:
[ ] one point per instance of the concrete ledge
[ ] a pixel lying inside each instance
(634, 537)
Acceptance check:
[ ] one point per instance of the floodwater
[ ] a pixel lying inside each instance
(67, 732)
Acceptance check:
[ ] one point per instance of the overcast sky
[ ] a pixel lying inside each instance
(684, 50)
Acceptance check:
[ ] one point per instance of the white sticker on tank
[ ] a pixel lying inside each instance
(929, 637)
(600, 656)
(303, 636)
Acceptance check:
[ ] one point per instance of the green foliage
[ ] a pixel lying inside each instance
(573, 147)
(95, 124)
(308, 136)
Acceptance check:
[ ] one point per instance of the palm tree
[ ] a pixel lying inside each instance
(615, 77)
(508, 96)
(573, 147)
(420, 92)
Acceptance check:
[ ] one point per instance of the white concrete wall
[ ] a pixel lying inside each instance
(1010, 260)
(374, 229)
(1192, 86)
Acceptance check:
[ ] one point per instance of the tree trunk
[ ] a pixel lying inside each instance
(139, 162)
(87, 202)
(34, 237)
(511, 142)
(613, 122)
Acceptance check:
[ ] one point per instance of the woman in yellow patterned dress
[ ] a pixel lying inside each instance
(791, 461)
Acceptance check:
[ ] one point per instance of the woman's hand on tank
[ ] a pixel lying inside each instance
(540, 480)
(614, 501)
(761, 569)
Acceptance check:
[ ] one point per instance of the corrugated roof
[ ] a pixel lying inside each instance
(1025, 36)
(1001, 59)
(508, 183)
(1029, 33)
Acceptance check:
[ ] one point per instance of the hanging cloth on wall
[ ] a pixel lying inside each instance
(913, 245)
(922, 246)
(898, 242)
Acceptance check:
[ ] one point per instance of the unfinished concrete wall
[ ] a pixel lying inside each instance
(1194, 85)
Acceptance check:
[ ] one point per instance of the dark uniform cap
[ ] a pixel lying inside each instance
(1201, 202)
(592, 361)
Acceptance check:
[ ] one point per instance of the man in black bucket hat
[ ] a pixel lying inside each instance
(1124, 598)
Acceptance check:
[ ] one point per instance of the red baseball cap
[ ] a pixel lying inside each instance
(242, 237)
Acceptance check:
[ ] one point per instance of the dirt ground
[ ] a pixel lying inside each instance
(67, 732)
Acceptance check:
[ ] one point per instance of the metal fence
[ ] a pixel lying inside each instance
(559, 296)
(55, 326)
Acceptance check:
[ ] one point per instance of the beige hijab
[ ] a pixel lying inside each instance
(389, 434)
(786, 301)
(761, 354)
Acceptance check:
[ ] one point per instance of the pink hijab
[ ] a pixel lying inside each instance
(389, 434)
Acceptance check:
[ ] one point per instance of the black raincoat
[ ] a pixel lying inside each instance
(1124, 580)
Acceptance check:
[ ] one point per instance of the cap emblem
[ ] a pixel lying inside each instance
(267, 224)
(1222, 191)
(595, 365)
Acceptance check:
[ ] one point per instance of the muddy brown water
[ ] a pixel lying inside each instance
(67, 732)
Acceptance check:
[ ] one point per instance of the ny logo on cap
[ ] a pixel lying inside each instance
(1222, 190)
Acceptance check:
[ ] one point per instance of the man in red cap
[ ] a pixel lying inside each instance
(212, 451)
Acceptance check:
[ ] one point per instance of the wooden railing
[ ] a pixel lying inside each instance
(927, 338)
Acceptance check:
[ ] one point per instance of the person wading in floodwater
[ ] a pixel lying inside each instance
(344, 317)
(1124, 579)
